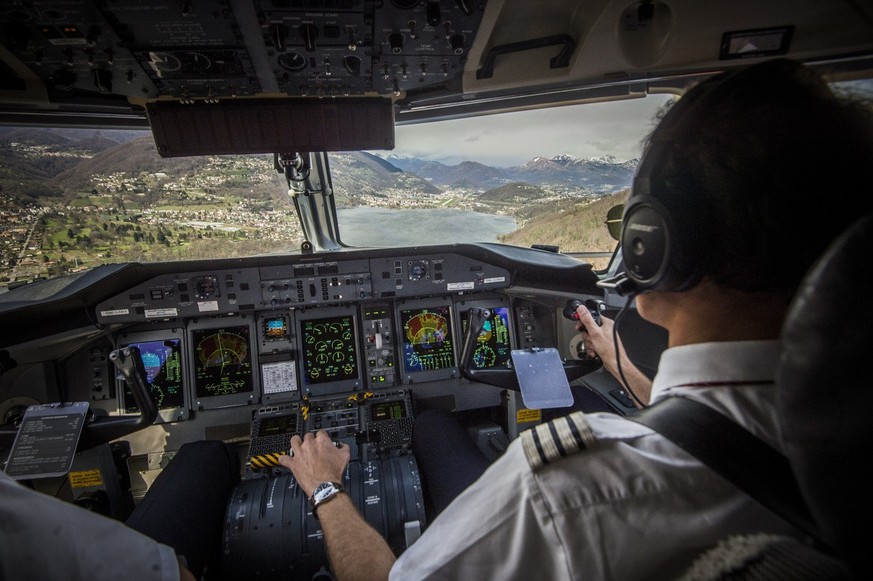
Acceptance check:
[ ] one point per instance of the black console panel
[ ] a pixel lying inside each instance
(214, 49)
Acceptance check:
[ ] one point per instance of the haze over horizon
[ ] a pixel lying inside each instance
(615, 129)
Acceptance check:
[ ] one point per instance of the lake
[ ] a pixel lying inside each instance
(383, 227)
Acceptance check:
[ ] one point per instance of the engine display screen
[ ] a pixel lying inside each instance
(223, 361)
(427, 339)
(329, 350)
(162, 361)
(493, 348)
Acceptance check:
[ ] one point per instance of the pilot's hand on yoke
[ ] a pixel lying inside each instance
(597, 338)
(316, 459)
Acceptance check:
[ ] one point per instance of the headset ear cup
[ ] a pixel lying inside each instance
(659, 254)
(646, 240)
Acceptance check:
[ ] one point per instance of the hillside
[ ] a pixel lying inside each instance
(32, 158)
(357, 176)
(134, 157)
(516, 193)
(577, 228)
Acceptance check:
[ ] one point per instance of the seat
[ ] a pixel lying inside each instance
(825, 393)
(823, 401)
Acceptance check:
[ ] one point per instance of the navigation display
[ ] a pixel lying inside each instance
(162, 361)
(493, 348)
(427, 339)
(329, 350)
(222, 361)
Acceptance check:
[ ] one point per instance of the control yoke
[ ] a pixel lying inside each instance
(101, 429)
(505, 376)
(108, 428)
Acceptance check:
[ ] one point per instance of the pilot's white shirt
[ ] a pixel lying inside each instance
(632, 506)
(42, 537)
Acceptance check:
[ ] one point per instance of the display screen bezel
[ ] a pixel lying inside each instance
(350, 382)
(126, 404)
(251, 390)
(414, 373)
(501, 360)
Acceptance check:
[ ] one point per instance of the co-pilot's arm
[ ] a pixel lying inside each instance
(356, 551)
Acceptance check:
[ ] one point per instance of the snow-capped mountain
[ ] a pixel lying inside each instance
(598, 174)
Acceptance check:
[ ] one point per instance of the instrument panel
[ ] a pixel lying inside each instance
(269, 335)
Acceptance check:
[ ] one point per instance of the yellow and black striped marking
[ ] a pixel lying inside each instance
(262, 461)
(561, 437)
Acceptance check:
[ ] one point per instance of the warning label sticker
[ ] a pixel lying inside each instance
(86, 479)
(524, 416)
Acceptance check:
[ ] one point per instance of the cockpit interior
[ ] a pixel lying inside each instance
(355, 341)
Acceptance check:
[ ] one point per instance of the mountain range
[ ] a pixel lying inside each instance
(601, 174)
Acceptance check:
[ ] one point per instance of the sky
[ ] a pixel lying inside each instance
(508, 139)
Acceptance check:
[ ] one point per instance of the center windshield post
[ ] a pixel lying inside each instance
(313, 196)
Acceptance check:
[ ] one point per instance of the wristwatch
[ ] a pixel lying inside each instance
(323, 493)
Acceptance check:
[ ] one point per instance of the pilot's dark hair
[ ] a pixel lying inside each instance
(758, 170)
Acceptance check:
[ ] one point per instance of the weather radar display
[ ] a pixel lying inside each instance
(222, 361)
(427, 339)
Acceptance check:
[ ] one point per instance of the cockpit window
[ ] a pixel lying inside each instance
(543, 177)
(72, 199)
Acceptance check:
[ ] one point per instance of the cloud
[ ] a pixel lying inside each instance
(589, 130)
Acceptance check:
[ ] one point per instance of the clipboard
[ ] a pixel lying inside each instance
(541, 378)
(47, 440)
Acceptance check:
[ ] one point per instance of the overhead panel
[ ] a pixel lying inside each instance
(215, 49)
(188, 49)
(73, 49)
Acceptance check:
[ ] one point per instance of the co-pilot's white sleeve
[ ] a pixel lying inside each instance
(42, 537)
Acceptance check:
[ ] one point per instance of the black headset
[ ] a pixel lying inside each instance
(668, 228)
(665, 235)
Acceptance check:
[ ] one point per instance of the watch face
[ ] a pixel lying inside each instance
(323, 490)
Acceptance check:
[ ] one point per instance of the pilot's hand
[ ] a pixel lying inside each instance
(597, 338)
(316, 459)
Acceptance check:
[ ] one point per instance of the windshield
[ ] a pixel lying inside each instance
(72, 199)
(542, 177)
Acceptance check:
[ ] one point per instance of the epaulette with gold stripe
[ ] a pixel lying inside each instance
(561, 437)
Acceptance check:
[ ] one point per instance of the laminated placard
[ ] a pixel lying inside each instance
(47, 440)
(541, 378)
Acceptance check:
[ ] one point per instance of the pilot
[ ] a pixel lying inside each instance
(759, 169)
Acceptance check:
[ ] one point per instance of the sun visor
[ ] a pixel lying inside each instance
(243, 126)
